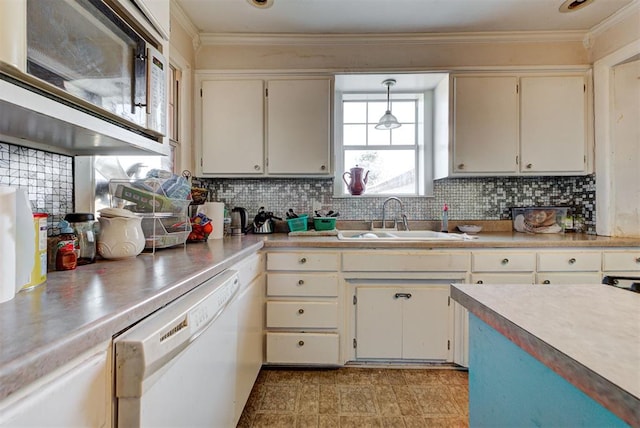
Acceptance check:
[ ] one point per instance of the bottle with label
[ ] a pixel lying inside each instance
(444, 227)
(66, 247)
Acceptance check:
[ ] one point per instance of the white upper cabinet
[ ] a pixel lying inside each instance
(519, 124)
(553, 124)
(232, 127)
(299, 126)
(485, 124)
(260, 127)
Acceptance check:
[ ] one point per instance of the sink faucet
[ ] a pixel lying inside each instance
(405, 223)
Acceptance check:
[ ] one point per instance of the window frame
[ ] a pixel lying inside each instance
(423, 147)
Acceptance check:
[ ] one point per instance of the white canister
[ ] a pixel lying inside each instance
(120, 237)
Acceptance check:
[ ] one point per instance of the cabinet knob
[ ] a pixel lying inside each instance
(546, 281)
(256, 167)
(461, 166)
(301, 311)
(479, 281)
(529, 166)
(301, 343)
(572, 261)
(323, 167)
(637, 259)
(505, 261)
(303, 260)
(301, 282)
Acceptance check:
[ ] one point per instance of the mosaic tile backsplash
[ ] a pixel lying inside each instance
(482, 198)
(48, 178)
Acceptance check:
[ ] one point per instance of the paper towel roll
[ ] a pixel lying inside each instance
(215, 211)
(25, 239)
(7, 243)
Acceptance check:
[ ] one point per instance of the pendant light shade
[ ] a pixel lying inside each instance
(388, 121)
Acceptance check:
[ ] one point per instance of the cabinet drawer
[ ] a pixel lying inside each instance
(302, 261)
(569, 278)
(303, 348)
(302, 315)
(503, 262)
(401, 261)
(569, 261)
(302, 284)
(502, 278)
(621, 261)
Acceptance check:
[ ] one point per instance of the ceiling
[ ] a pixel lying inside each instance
(394, 16)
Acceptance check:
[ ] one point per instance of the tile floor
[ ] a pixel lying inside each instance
(358, 397)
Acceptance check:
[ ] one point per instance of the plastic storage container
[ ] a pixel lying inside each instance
(298, 224)
(324, 223)
(539, 219)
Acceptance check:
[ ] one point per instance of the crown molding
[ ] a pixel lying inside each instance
(389, 39)
(613, 20)
(179, 14)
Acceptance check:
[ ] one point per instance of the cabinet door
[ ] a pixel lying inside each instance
(299, 126)
(553, 124)
(232, 127)
(77, 394)
(378, 323)
(485, 124)
(425, 323)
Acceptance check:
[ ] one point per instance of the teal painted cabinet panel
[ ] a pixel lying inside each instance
(510, 388)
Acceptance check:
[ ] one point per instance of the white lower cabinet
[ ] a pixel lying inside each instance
(330, 306)
(77, 394)
(303, 348)
(409, 323)
(303, 319)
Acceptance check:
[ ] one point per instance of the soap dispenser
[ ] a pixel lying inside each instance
(445, 219)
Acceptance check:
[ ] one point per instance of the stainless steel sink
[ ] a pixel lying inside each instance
(399, 235)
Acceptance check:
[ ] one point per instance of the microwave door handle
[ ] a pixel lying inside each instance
(137, 59)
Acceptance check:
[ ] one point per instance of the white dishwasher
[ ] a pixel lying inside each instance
(177, 367)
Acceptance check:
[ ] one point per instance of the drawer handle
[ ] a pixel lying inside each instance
(301, 311)
(303, 260)
(572, 261)
(546, 281)
(405, 295)
(529, 166)
(301, 282)
(505, 261)
(479, 281)
(301, 343)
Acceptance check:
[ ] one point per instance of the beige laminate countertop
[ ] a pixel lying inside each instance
(44, 328)
(588, 334)
(482, 240)
(73, 311)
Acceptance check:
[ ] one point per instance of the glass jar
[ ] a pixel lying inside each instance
(84, 225)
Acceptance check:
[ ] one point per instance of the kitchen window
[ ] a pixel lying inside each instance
(394, 158)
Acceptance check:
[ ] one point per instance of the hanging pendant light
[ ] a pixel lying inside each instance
(388, 121)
